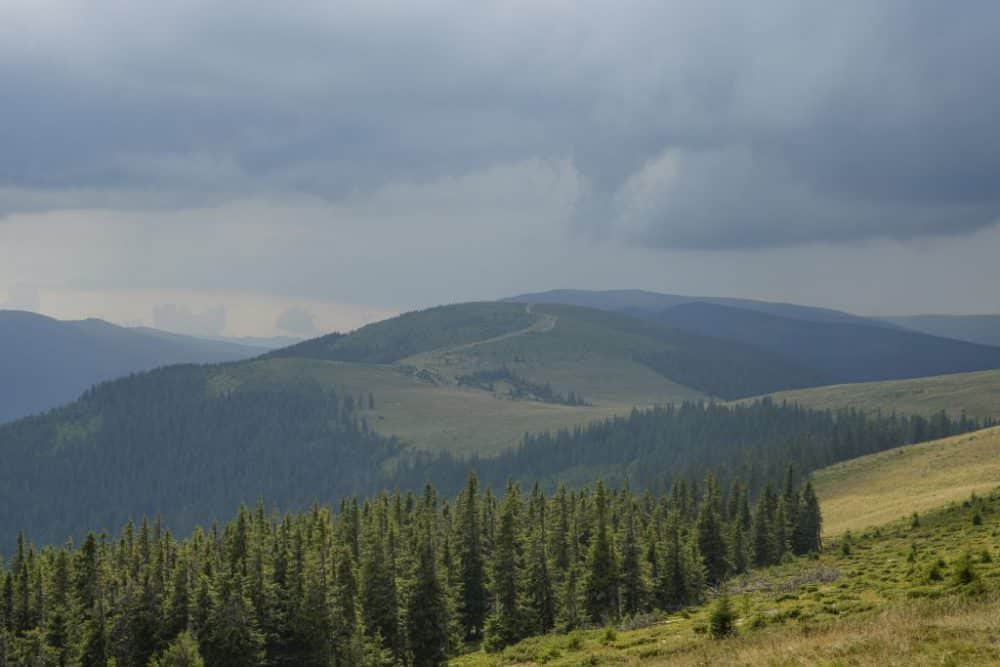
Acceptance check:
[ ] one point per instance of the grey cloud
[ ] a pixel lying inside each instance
(785, 122)
(182, 319)
(296, 320)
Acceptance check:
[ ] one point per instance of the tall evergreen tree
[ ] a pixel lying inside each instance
(601, 591)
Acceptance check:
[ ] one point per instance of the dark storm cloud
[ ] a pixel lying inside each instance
(692, 125)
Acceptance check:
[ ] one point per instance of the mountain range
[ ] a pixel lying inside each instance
(46, 362)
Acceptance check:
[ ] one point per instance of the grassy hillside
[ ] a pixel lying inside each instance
(976, 394)
(645, 303)
(437, 414)
(896, 596)
(878, 488)
(590, 348)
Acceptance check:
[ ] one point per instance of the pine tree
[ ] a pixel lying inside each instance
(762, 536)
(474, 598)
(540, 598)
(810, 522)
(379, 599)
(506, 624)
(601, 590)
(427, 610)
(60, 619)
(232, 636)
(711, 543)
(632, 576)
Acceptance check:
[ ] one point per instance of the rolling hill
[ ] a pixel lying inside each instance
(837, 347)
(882, 487)
(975, 394)
(46, 362)
(982, 329)
(340, 413)
(642, 303)
(845, 352)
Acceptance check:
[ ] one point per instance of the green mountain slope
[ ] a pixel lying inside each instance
(642, 302)
(558, 344)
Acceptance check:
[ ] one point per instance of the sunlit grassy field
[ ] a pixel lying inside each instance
(878, 488)
(895, 597)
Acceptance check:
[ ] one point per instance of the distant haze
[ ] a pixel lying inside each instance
(269, 169)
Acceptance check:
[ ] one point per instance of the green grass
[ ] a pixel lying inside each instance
(431, 413)
(874, 489)
(873, 606)
(976, 394)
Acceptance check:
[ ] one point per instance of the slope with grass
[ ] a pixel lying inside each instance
(429, 412)
(885, 486)
(976, 394)
(924, 595)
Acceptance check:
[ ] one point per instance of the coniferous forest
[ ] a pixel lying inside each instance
(174, 443)
(393, 579)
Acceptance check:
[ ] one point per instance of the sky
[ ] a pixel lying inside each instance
(257, 168)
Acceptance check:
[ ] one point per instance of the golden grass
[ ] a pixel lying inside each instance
(953, 631)
(977, 394)
(879, 488)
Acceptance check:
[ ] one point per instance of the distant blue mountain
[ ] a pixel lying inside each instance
(837, 345)
(46, 362)
(643, 303)
(982, 329)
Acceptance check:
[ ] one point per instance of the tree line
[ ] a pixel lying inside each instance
(191, 443)
(752, 441)
(406, 579)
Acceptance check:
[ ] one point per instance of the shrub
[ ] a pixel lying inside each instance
(965, 572)
(723, 620)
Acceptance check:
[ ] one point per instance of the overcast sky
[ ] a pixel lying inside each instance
(248, 167)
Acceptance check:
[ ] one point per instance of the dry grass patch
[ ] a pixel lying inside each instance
(879, 488)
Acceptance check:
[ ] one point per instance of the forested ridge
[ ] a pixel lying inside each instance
(394, 579)
(177, 443)
(652, 447)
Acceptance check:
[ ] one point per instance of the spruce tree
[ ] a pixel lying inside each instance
(711, 542)
(505, 624)
(427, 609)
(632, 576)
(810, 526)
(601, 590)
(379, 598)
(473, 595)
